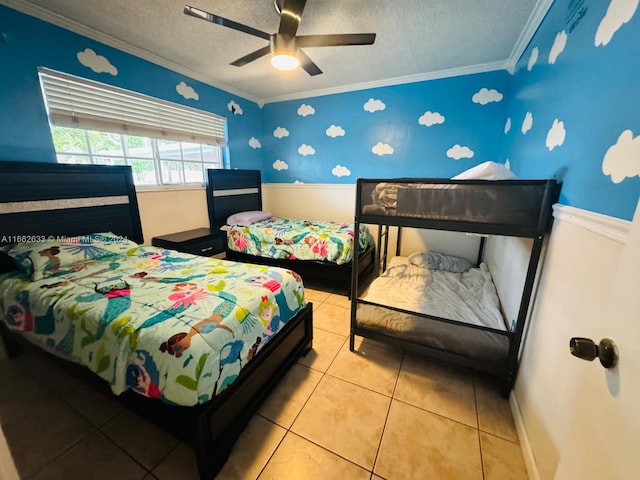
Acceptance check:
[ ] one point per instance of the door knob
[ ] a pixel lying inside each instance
(585, 348)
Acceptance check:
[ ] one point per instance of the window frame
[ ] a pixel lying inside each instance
(155, 157)
(80, 104)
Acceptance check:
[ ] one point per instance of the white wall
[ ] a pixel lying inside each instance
(582, 260)
(508, 260)
(170, 211)
(334, 202)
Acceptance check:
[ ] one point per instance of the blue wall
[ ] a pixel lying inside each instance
(27, 43)
(591, 89)
(310, 150)
(588, 89)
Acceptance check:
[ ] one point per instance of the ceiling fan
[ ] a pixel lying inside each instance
(285, 46)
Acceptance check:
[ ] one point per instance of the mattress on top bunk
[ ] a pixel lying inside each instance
(466, 296)
(168, 325)
(499, 202)
(286, 238)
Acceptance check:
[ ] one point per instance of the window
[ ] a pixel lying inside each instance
(164, 143)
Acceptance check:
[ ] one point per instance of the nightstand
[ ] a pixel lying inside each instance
(200, 241)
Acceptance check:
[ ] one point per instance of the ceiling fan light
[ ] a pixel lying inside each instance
(284, 61)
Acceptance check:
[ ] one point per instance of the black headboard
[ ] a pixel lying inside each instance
(232, 191)
(51, 199)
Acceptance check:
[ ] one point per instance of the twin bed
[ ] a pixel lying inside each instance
(319, 251)
(194, 344)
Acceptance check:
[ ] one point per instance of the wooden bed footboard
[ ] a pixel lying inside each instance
(338, 276)
(210, 429)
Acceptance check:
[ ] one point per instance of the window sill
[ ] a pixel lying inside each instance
(165, 188)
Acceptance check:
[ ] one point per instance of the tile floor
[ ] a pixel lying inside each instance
(371, 414)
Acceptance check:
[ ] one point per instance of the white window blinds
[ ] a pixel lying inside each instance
(79, 103)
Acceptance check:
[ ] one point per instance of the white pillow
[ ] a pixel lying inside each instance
(247, 218)
(440, 261)
(486, 171)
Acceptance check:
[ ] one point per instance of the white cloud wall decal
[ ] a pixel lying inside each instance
(95, 62)
(622, 160)
(234, 108)
(280, 132)
(186, 91)
(335, 131)
(558, 46)
(533, 58)
(431, 118)
(280, 165)
(527, 123)
(254, 143)
(556, 134)
(618, 13)
(340, 171)
(458, 151)
(299, 182)
(305, 110)
(306, 150)
(507, 125)
(374, 105)
(381, 149)
(484, 96)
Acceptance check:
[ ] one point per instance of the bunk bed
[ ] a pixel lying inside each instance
(410, 304)
(233, 192)
(52, 297)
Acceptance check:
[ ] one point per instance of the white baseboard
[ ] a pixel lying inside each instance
(527, 451)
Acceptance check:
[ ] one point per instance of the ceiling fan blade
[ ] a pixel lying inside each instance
(252, 56)
(335, 40)
(307, 64)
(290, 16)
(225, 22)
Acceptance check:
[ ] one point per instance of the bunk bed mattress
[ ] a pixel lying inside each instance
(168, 325)
(469, 297)
(285, 238)
(487, 202)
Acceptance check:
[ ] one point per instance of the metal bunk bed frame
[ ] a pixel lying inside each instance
(537, 230)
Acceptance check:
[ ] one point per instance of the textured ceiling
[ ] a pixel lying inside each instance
(416, 39)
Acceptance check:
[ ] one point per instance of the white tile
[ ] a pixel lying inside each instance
(298, 458)
(420, 444)
(345, 419)
(332, 319)
(442, 389)
(285, 402)
(252, 450)
(145, 442)
(326, 346)
(369, 366)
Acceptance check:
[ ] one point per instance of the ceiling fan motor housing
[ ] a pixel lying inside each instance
(283, 44)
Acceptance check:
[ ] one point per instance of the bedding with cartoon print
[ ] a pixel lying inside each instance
(168, 325)
(298, 239)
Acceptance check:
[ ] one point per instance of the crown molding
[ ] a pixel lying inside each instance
(48, 16)
(530, 29)
(73, 26)
(421, 77)
(613, 228)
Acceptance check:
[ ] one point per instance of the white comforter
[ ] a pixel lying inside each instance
(468, 297)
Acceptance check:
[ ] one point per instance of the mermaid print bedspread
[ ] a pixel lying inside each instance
(165, 324)
(298, 239)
